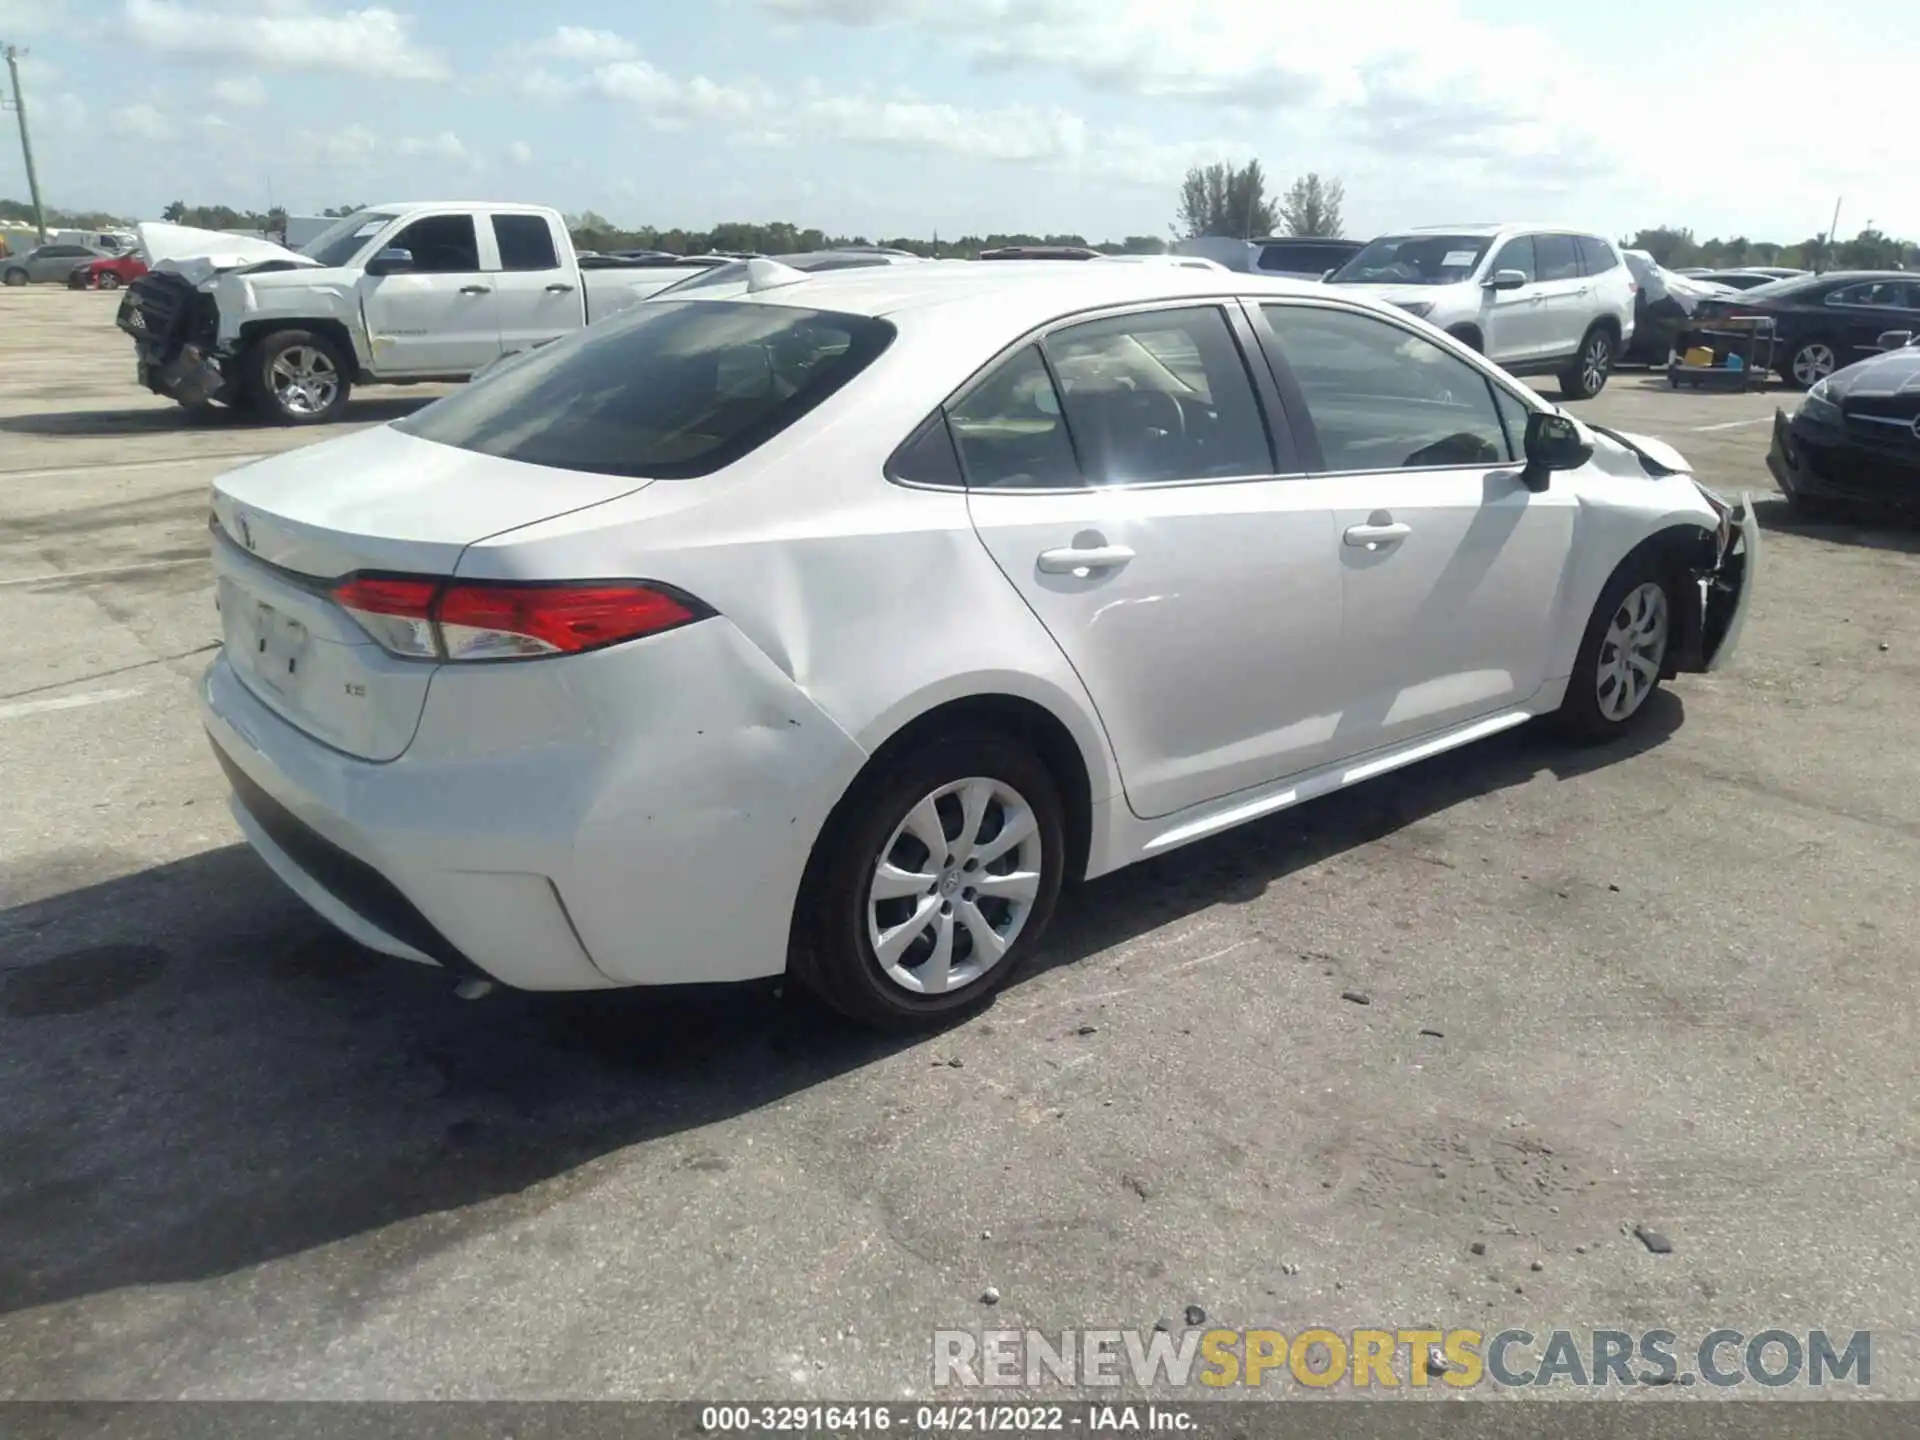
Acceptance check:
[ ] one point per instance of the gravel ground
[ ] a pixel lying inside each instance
(1670, 985)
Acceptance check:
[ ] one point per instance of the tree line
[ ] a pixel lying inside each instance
(1214, 200)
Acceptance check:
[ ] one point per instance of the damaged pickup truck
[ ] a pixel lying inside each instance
(395, 294)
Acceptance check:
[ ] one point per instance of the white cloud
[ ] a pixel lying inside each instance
(141, 121)
(445, 146)
(520, 153)
(577, 42)
(290, 35)
(241, 91)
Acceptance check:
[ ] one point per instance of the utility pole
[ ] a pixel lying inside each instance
(19, 108)
(1833, 236)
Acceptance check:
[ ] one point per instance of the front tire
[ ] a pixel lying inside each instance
(1587, 376)
(1811, 362)
(16, 276)
(932, 883)
(108, 280)
(1622, 654)
(299, 378)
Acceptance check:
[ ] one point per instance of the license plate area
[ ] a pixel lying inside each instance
(273, 645)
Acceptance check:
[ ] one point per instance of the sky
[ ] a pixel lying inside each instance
(922, 117)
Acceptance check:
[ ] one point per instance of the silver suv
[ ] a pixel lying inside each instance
(1534, 299)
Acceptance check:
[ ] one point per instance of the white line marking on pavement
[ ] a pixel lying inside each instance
(1731, 424)
(67, 702)
(118, 465)
(109, 570)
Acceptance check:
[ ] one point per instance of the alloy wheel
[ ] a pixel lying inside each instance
(1596, 362)
(1812, 363)
(1633, 651)
(954, 885)
(305, 380)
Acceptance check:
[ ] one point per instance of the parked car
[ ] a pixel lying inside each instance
(1535, 300)
(831, 628)
(733, 277)
(403, 293)
(1663, 303)
(110, 272)
(1040, 252)
(1737, 279)
(1297, 257)
(1823, 323)
(46, 263)
(1856, 434)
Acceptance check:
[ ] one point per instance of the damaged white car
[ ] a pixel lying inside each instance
(397, 294)
(834, 626)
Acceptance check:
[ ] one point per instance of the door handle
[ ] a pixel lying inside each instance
(1538, 300)
(1068, 560)
(558, 289)
(476, 289)
(1369, 536)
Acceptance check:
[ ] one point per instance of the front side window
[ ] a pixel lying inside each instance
(1415, 260)
(1159, 396)
(1516, 254)
(1010, 432)
(525, 242)
(1878, 294)
(440, 245)
(665, 391)
(1383, 398)
(1557, 257)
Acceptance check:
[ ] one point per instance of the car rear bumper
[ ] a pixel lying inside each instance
(638, 816)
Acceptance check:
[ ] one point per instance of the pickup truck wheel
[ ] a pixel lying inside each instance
(299, 378)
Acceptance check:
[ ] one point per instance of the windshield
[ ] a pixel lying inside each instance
(664, 391)
(339, 243)
(1415, 260)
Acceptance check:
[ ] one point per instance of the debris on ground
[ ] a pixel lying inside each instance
(1357, 997)
(1653, 1240)
(1195, 1315)
(990, 1295)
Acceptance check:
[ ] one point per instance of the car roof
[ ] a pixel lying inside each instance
(1491, 228)
(1019, 294)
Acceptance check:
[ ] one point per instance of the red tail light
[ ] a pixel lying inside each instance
(424, 618)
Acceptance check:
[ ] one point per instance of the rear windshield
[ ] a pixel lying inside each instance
(665, 391)
(1415, 260)
(1305, 258)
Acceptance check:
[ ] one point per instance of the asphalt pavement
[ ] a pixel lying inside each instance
(1520, 998)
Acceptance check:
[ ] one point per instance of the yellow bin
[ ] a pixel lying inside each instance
(1700, 355)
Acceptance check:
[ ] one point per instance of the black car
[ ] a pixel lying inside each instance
(1856, 435)
(1823, 323)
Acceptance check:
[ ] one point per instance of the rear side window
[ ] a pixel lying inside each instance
(666, 390)
(526, 242)
(1010, 432)
(1596, 255)
(1557, 257)
(1886, 294)
(1159, 396)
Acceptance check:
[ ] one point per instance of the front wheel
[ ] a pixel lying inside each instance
(108, 280)
(933, 882)
(1621, 654)
(1811, 362)
(1587, 376)
(15, 276)
(299, 378)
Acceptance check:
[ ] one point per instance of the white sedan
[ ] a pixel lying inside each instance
(831, 628)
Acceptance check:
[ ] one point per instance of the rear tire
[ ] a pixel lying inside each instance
(15, 276)
(108, 280)
(296, 377)
(1587, 376)
(1810, 362)
(901, 938)
(1621, 655)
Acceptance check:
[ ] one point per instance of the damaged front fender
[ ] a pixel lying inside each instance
(1727, 585)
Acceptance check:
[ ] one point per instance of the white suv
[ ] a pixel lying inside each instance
(1534, 299)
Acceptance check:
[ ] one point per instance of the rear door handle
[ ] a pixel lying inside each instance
(1068, 560)
(476, 289)
(1371, 535)
(559, 289)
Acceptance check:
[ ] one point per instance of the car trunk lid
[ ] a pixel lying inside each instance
(289, 528)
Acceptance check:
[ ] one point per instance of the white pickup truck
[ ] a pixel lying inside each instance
(394, 294)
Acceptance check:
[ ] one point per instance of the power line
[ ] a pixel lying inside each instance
(19, 108)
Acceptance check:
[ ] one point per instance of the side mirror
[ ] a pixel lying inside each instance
(1506, 280)
(391, 262)
(1331, 273)
(1553, 443)
(1894, 340)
